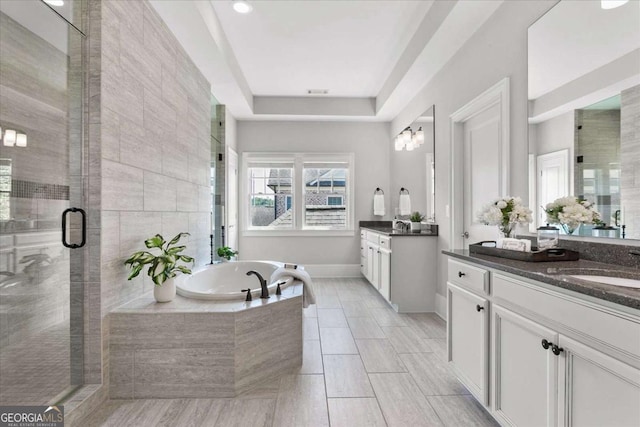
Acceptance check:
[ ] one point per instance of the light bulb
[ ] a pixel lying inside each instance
(242, 6)
(612, 4)
(399, 143)
(21, 140)
(9, 137)
(406, 134)
(420, 136)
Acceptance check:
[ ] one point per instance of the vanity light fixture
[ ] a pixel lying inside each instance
(242, 6)
(56, 3)
(21, 140)
(9, 138)
(408, 139)
(612, 4)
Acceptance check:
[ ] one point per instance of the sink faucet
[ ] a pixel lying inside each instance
(263, 283)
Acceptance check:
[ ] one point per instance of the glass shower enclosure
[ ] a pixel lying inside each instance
(42, 223)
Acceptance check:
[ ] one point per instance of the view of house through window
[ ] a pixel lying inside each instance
(270, 196)
(321, 201)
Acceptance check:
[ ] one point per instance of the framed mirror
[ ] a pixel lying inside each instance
(584, 112)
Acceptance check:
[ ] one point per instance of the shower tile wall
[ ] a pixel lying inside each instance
(630, 156)
(149, 127)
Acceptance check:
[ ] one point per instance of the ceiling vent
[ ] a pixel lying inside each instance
(317, 91)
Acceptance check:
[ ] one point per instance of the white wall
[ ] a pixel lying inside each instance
(554, 134)
(497, 50)
(368, 141)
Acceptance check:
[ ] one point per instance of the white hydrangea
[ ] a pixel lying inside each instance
(571, 211)
(505, 211)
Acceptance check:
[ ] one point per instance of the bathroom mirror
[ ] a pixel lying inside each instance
(584, 103)
(426, 123)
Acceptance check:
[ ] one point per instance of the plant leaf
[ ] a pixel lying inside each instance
(184, 269)
(175, 250)
(177, 238)
(155, 242)
(135, 271)
(187, 258)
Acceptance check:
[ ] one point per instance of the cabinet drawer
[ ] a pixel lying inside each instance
(385, 242)
(373, 237)
(599, 323)
(470, 277)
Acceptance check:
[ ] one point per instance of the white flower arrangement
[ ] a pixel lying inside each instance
(570, 212)
(505, 213)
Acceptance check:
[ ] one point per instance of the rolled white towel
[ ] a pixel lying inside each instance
(378, 205)
(405, 204)
(308, 296)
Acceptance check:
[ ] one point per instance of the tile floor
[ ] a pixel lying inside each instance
(364, 365)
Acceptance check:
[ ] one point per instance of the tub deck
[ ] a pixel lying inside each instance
(199, 348)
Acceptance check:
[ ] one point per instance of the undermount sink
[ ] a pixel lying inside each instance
(616, 281)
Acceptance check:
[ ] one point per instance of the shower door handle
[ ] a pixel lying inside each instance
(64, 228)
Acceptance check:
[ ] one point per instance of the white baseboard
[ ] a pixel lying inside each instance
(333, 270)
(441, 306)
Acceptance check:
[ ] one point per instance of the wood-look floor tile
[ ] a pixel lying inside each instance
(379, 356)
(355, 309)
(328, 301)
(426, 325)
(405, 340)
(387, 317)
(356, 412)
(311, 311)
(331, 318)
(301, 402)
(401, 401)
(337, 341)
(311, 358)
(432, 375)
(461, 411)
(345, 376)
(439, 347)
(310, 328)
(247, 413)
(375, 301)
(171, 415)
(364, 327)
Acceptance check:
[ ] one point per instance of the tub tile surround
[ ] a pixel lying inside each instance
(191, 348)
(334, 386)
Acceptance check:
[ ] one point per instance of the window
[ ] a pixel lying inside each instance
(298, 193)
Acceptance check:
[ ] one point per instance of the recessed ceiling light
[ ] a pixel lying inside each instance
(56, 3)
(241, 6)
(612, 4)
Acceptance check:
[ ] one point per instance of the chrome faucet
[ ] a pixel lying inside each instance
(263, 283)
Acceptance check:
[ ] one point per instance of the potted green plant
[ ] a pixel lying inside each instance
(226, 253)
(163, 267)
(416, 218)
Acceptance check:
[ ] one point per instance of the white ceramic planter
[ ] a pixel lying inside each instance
(416, 227)
(166, 292)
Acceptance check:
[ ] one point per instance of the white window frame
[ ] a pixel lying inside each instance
(251, 159)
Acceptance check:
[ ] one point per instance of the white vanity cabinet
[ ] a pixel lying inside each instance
(401, 269)
(555, 358)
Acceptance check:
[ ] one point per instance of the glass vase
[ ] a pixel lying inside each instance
(507, 230)
(569, 230)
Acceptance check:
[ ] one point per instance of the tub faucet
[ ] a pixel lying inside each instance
(263, 283)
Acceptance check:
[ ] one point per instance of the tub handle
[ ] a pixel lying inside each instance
(248, 291)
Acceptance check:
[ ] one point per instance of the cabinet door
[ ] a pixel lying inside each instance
(385, 274)
(375, 274)
(371, 254)
(467, 339)
(523, 372)
(596, 389)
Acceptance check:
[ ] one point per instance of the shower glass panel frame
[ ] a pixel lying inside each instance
(42, 182)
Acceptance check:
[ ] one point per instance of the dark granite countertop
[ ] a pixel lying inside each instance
(558, 274)
(394, 232)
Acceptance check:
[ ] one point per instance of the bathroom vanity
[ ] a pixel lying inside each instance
(536, 346)
(401, 266)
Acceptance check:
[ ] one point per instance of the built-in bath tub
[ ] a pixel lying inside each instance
(225, 281)
(200, 348)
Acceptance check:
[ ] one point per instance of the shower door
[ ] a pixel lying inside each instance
(42, 224)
